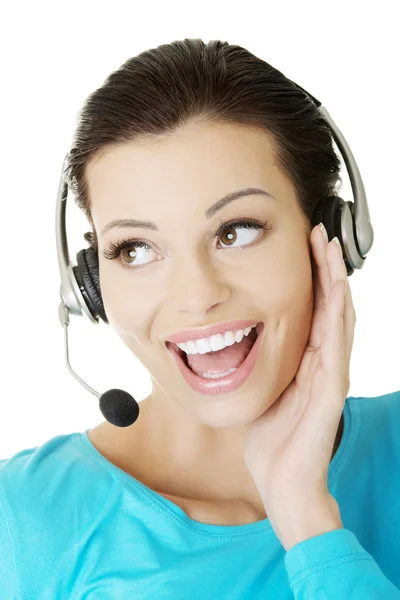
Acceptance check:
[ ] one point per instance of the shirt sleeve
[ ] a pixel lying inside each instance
(8, 579)
(335, 566)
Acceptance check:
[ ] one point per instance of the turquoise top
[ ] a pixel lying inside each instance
(75, 527)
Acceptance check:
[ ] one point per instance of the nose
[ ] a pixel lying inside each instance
(198, 285)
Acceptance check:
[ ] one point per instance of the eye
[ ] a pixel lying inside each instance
(123, 249)
(129, 249)
(248, 225)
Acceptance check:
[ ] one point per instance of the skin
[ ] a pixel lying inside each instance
(185, 444)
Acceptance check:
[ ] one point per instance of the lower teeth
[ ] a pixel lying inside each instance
(210, 375)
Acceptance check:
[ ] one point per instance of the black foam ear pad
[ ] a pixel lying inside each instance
(88, 271)
(329, 211)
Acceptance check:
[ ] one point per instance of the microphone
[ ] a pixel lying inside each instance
(117, 406)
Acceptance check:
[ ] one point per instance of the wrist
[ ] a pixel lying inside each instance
(303, 519)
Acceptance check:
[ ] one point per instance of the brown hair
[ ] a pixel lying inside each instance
(163, 89)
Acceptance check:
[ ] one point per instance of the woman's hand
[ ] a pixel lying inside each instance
(289, 447)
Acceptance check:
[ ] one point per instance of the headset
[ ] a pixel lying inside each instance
(80, 292)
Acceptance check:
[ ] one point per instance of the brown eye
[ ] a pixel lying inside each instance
(228, 237)
(248, 232)
(129, 253)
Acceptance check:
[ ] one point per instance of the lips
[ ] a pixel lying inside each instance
(172, 347)
(196, 334)
(224, 385)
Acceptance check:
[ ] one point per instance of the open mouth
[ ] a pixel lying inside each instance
(251, 337)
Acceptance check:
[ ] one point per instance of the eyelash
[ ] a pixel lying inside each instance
(115, 248)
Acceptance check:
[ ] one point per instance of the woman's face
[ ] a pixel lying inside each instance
(184, 279)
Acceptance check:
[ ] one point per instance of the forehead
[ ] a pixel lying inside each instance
(200, 162)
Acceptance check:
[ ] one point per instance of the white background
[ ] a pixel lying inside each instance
(53, 55)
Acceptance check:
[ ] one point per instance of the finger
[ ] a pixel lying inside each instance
(336, 263)
(338, 272)
(323, 277)
(335, 342)
(349, 328)
(334, 315)
(321, 282)
(333, 345)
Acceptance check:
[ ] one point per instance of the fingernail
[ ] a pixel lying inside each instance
(322, 227)
(335, 239)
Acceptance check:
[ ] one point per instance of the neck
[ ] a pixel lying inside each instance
(187, 463)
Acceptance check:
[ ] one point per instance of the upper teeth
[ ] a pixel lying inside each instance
(215, 342)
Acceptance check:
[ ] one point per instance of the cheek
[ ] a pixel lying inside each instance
(299, 303)
(289, 318)
(286, 289)
(298, 318)
(131, 316)
(126, 309)
(127, 316)
(288, 306)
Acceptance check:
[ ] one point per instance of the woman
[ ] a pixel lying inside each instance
(254, 481)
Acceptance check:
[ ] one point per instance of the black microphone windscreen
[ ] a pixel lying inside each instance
(119, 407)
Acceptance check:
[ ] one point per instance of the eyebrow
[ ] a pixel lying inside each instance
(208, 213)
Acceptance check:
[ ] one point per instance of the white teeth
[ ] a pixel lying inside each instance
(215, 342)
(218, 375)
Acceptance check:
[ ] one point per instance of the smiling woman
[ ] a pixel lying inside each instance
(202, 171)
